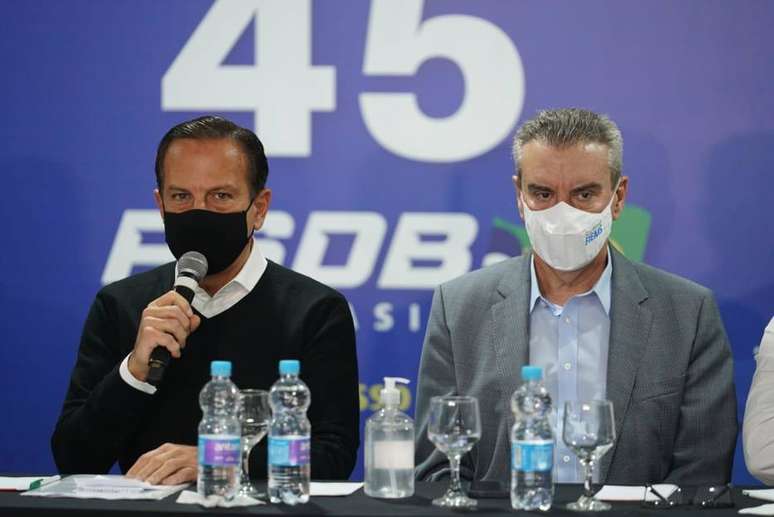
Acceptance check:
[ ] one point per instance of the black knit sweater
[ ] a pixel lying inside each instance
(285, 316)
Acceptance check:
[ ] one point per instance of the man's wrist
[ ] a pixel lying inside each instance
(137, 370)
(129, 378)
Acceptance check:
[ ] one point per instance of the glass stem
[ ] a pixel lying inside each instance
(454, 463)
(246, 465)
(588, 471)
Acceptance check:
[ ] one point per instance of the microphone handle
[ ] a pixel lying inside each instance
(160, 356)
(185, 291)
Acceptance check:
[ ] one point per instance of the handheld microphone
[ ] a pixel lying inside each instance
(191, 268)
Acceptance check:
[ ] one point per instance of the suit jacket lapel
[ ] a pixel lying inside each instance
(510, 324)
(630, 323)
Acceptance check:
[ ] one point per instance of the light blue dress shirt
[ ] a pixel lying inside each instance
(570, 343)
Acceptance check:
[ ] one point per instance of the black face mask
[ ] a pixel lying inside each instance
(220, 237)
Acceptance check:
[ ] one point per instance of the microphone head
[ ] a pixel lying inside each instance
(192, 264)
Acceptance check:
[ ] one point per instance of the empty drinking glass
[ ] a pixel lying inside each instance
(589, 431)
(254, 415)
(454, 428)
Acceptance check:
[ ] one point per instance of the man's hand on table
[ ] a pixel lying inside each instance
(170, 464)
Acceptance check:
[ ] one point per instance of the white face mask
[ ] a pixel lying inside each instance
(565, 237)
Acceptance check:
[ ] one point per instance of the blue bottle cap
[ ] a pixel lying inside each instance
(220, 368)
(289, 367)
(531, 373)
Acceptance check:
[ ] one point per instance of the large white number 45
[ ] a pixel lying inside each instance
(283, 88)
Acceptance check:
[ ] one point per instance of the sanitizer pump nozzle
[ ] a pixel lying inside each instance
(390, 394)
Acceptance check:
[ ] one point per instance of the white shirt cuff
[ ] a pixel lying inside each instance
(130, 379)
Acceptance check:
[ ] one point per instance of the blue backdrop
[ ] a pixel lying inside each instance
(388, 126)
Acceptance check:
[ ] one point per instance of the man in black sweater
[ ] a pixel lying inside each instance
(211, 177)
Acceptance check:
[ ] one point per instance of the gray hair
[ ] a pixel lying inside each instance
(569, 126)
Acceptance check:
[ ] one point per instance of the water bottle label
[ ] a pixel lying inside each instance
(532, 456)
(288, 452)
(219, 450)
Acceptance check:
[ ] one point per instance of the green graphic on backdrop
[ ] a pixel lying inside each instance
(629, 236)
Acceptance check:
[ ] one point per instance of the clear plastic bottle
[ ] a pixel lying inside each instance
(532, 444)
(219, 434)
(289, 432)
(389, 447)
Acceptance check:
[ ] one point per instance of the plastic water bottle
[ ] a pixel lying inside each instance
(532, 444)
(389, 447)
(219, 434)
(289, 432)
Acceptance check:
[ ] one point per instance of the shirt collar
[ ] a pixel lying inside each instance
(247, 278)
(252, 271)
(601, 287)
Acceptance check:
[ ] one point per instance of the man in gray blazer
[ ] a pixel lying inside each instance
(600, 326)
(758, 428)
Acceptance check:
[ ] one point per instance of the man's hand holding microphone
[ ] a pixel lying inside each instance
(166, 322)
(165, 325)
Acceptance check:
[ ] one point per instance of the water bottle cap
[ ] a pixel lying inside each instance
(531, 373)
(289, 367)
(220, 368)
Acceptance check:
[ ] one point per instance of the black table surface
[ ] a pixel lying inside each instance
(356, 504)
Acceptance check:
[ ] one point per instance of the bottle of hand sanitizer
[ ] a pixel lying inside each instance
(389, 447)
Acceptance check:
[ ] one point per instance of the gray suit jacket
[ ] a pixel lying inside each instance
(670, 373)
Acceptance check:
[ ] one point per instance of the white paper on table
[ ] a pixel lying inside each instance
(191, 497)
(764, 509)
(112, 481)
(318, 488)
(633, 493)
(20, 484)
(765, 494)
(109, 487)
